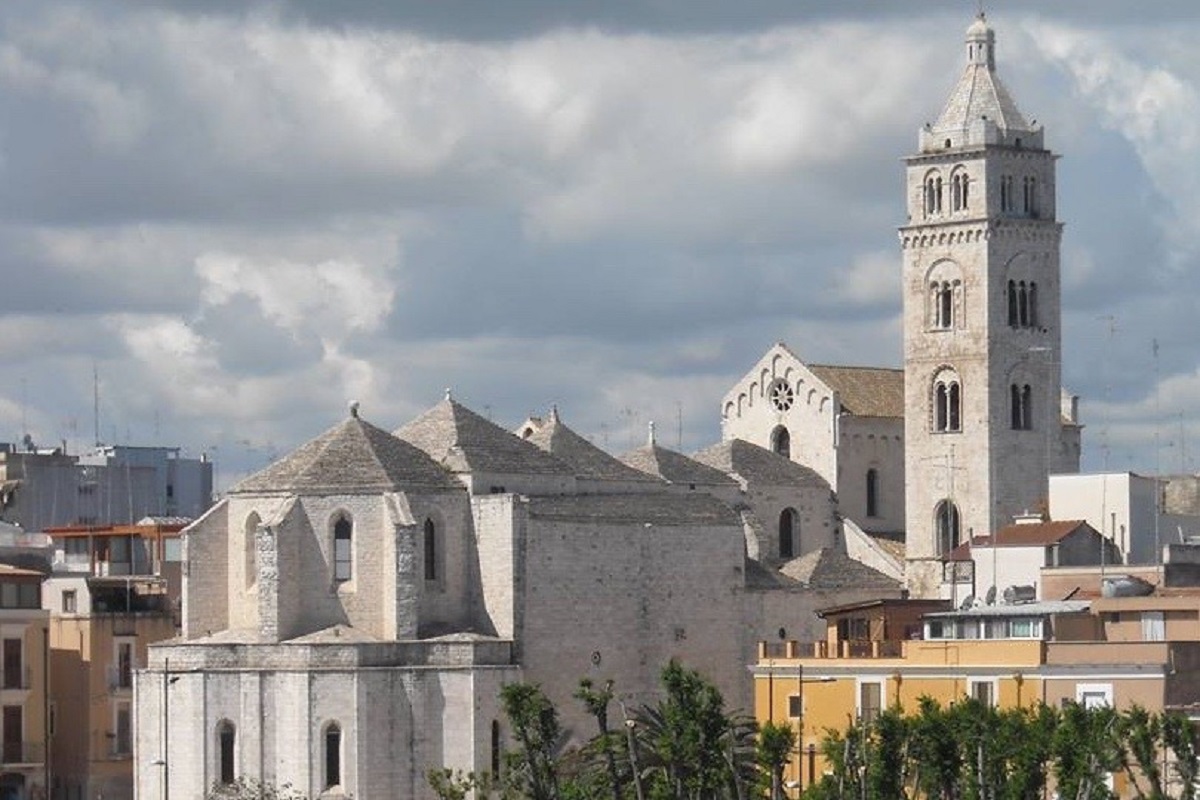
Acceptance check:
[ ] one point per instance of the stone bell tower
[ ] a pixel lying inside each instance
(982, 343)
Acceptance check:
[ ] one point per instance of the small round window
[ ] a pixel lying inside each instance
(781, 395)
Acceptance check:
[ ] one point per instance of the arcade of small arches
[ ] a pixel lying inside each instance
(782, 396)
(935, 189)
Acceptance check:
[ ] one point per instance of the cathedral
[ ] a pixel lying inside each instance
(351, 611)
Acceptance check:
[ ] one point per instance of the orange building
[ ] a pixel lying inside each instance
(1117, 651)
(24, 712)
(113, 592)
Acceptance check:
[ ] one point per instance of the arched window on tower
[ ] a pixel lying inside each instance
(343, 548)
(1013, 318)
(333, 755)
(787, 533)
(872, 492)
(431, 551)
(947, 526)
(947, 404)
(781, 442)
(1007, 201)
(1032, 304)
(956, 203)
(226, 752)
(1021, 399)
(1022, 305)
(937, 195)
(966, 182)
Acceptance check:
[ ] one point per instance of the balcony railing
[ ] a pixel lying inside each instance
(119, 679)
(16, 678)
(22, 752)
(848, 648)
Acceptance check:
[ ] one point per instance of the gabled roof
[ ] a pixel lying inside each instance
(1034, 534)
(462, 441)
(865, 391)
(351, 457)
(830, 568)
(588, 460)
(758, 464)
(675, 467)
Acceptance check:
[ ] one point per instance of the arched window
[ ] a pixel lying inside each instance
(872, 492)
(249, 544)
(947, 404)
(343, 548)
(496, 748)
(1013, 317)
(333, 755)
(956, 192)
(946, 522)
(787, 533)
(1007, 200)
(937, 195)
(781, 442)
(1023, 305)
(1022, 407)
(966, 182)
(226, 752)
(946, 306)
(1032, 303)
(431, 551)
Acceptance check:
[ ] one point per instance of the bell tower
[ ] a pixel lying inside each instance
(982, 346)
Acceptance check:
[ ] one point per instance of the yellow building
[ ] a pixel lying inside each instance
(23, 684)
(110, 597)
(1108, 651)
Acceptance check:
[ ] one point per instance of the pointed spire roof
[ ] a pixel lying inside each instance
(588, 460)
(675, 467)
(463, 441)
(980, 109)
(352, 457)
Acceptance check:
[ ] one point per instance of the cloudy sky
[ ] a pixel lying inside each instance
(242, 219)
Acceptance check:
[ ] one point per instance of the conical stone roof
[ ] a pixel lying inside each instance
(588, 460)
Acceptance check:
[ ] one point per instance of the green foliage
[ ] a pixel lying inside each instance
(970, 751)
(253, 789)
(776, 743)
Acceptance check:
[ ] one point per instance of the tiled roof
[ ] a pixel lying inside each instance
(1033, 534)
(353, 456)
(588, 460)
(462, 441)
(758, 464)
(663, 509)
(760, 576)
(675, 467)
(830, 568)
(865, 391)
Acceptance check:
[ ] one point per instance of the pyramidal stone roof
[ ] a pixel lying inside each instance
(830, 568)
(351, 457)
(462, 441)
(979, 96)
(675, 467)
(754, 463)
(588, 460)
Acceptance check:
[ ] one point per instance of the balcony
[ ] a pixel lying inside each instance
(118, 679)
(16, 679)
(19, 753)
(850, 648)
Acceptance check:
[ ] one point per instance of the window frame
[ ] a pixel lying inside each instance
(342, 556)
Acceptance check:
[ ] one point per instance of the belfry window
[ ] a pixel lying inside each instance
(947, 526)
(1021, 401)
(947, 406)
(1029, 196)
(787, 533)
(1007, 200)
(333, 755)
(958, 191)
(1022, 304)
(343, 549)
(933, 195)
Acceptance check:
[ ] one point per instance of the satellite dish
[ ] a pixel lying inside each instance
(967, 602)
(991, 595)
